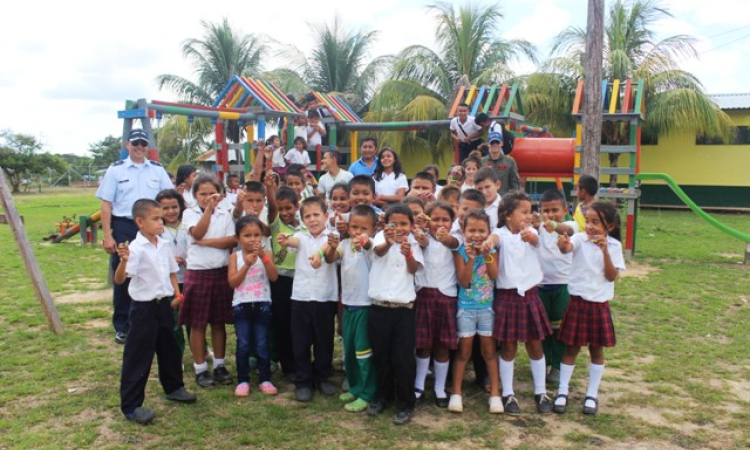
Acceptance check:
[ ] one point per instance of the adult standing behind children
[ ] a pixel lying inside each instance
(391, 183)
(366, 163)
(334, 174)
(465, 131)
(503, 165)
(126, 181)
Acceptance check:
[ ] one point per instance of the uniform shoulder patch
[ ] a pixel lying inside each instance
(117, 163)
(155, 163)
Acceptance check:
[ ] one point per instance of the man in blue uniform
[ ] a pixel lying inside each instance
(126, 181)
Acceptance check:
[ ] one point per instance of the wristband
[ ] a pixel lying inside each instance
(266, 259)
(321, 253)
(410, 255)
(179, 297)
(554, 225)
(363, 241)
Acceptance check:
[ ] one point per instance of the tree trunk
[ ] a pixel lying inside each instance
(592, 91)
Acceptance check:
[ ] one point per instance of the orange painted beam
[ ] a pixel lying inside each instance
(500, 98)
(579, 97)
(457, 101)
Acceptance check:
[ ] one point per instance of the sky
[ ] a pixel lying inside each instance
(68, 67)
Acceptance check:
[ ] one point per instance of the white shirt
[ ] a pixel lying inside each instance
(313, 285)
(221, 225)
(255, 287)
(149, 267)
(177, 238)
(390, 280)
(439, 271)
(355, 274)
(315, 139)
(278, 158)
(457, 233)
(300, 131)
(390, 183)
(496, 127)
(554, 263)
(588, 280)
(491, 211)
(469, 128)
(466, 186)
(519, 264)
(326, 182)
(295, 157)
(190, 201)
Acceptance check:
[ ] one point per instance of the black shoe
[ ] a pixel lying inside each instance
(560, 409)
(303, 394)
(419, 396)
(543, 403)
(326, 388)
(120, 337)
(591, 411)
(376, 407)
(402, 417)
(222, 375)
(204, 379)
(511, 405)
(442, 402)
(141, 415)
(181, 395)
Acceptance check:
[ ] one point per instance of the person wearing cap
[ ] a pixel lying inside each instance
(504, 166)
(126, 181)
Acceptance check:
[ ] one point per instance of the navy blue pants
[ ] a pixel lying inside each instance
(252, 323)
(123, 229)
(313, 326)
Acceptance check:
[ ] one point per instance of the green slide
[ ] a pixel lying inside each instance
(696, 209)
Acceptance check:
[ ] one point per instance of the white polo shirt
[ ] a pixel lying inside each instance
(177, 238)
(390, 280)
(198, 256)
(519, 262)
(313, 285)
(439, 271)
(464, 129)
(295, 157)
(148, 268)
(457, 233)
(491, 211)
(554, 263)
(355, 274)
(390, 183)
(327, 181)
(587, 279)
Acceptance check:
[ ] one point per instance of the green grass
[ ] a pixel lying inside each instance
(677, 378)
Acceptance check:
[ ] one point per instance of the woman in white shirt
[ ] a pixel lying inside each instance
(390, 181)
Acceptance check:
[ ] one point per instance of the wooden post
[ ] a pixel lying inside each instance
(592, 94)
(32, 266)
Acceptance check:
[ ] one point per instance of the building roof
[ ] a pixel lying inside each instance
(732, 101)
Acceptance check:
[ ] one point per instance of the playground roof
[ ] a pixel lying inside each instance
(732, 101)
(495, 100)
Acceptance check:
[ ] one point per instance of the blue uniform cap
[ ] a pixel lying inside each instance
(495, 137)
(137, 134)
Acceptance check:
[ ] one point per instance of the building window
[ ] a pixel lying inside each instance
(741, 138)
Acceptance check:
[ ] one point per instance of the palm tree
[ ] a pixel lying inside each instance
(221, 54)
(675, 100)
(423, 81)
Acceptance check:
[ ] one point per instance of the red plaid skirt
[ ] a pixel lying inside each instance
(587, 323)
(519, 318)
(435, 319)
(208, 298)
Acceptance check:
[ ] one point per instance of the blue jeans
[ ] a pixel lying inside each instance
(251, 323)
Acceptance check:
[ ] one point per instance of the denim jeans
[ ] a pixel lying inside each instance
(251, 323)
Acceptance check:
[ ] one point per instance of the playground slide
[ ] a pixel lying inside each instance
(696, 209)
(72, 231)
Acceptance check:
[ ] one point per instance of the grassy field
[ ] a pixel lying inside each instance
(678, 378)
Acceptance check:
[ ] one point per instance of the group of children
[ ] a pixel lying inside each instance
(412, 285)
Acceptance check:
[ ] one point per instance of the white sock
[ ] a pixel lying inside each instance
(566, 373)
(200, 368)
(423, 366)
(218, 362)
(441, 374)
(506, 376)
(539, 374)
(595, 377)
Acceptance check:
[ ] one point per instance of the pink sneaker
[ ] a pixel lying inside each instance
(242, 390)
(268, 388)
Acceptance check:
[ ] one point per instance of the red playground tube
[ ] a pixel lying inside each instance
(545, 157)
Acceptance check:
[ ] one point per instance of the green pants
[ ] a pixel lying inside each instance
(555, 301)
(360, 372)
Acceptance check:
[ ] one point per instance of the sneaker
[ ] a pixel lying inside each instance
(222, 375)
(303, 394)
(456, 404)
(181, 395)
(543, 403)
(326, 388)
(140, 415)
(496, 405)
(402, 417)
(376, 407)
(553, 377)
(356, 406)
(560, 407)
(120, 338)
(590, 410)
(242, 390)
(204, 379)
(441, 402)
(268, 388)
(511, 405)
(347, 397)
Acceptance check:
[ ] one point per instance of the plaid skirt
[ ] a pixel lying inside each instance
(587, 324)
(208, 298)
(435, 319)
(519, 318)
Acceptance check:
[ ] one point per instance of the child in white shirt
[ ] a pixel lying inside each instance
(298, 154)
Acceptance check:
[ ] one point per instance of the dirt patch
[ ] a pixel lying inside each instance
(96, 323)
(99, 296)
(639, 270)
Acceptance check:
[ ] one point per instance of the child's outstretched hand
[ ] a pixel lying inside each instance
(333, 239)
(443, 235)
(490, 243)
(282, 239)
(420, 221)
(563, 241)
(390, 235)
(406, 249)
(123, 251)
(600, 241)
(550, 226)
(471, 249)
(526, 234)
(241, 194)
(315, 260)
(360, 242)
(342, 226)
(269, 181)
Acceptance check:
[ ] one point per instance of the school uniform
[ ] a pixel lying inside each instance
(294, 156)
(491, 211)
(208, 296)
(315, 296)
(389, 183)
(391, 323)
(355, 281)
(149, 267)
(436, 305)
(519, 313)
(177, 238)
(588, 319)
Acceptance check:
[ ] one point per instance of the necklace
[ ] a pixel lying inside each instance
(171, 234)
